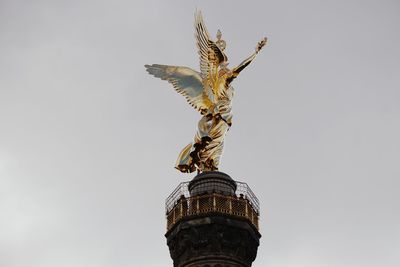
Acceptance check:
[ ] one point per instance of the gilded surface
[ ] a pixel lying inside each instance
(208, 91)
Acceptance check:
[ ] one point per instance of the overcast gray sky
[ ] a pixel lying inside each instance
(88, 139)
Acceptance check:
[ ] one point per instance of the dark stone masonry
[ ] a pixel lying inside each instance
(218, 226)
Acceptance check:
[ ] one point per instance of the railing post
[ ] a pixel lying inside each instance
(246, 210)
(230, 205)
(197, 205)
(214, 203)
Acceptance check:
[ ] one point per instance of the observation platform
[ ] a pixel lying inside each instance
(212, 193)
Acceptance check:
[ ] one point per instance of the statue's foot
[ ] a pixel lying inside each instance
(186, 168)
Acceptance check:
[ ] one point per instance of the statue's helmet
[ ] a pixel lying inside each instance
(220, 43)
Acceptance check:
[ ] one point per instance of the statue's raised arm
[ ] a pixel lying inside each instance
(247, 61)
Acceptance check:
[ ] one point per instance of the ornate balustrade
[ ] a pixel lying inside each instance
(212, 203)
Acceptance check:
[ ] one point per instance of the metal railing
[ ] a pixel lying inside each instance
(210, 203)
(242, 190)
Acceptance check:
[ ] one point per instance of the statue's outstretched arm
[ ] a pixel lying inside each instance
(247, 61)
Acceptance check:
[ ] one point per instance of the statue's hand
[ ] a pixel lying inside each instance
(261, 44)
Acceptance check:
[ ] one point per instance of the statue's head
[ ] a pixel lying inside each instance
(220, 43)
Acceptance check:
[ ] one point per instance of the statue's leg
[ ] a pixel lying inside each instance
(208, 143)
(213, 151)
(190, 157)
(184, 162)
(201, 141)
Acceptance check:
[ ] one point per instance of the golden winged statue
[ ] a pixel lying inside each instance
(210, 92)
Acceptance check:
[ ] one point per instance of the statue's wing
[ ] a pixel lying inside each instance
(186, 81)
(210, 54)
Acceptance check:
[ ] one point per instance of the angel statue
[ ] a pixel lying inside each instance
(210, 92)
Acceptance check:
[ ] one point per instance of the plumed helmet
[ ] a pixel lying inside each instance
(220, 43)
